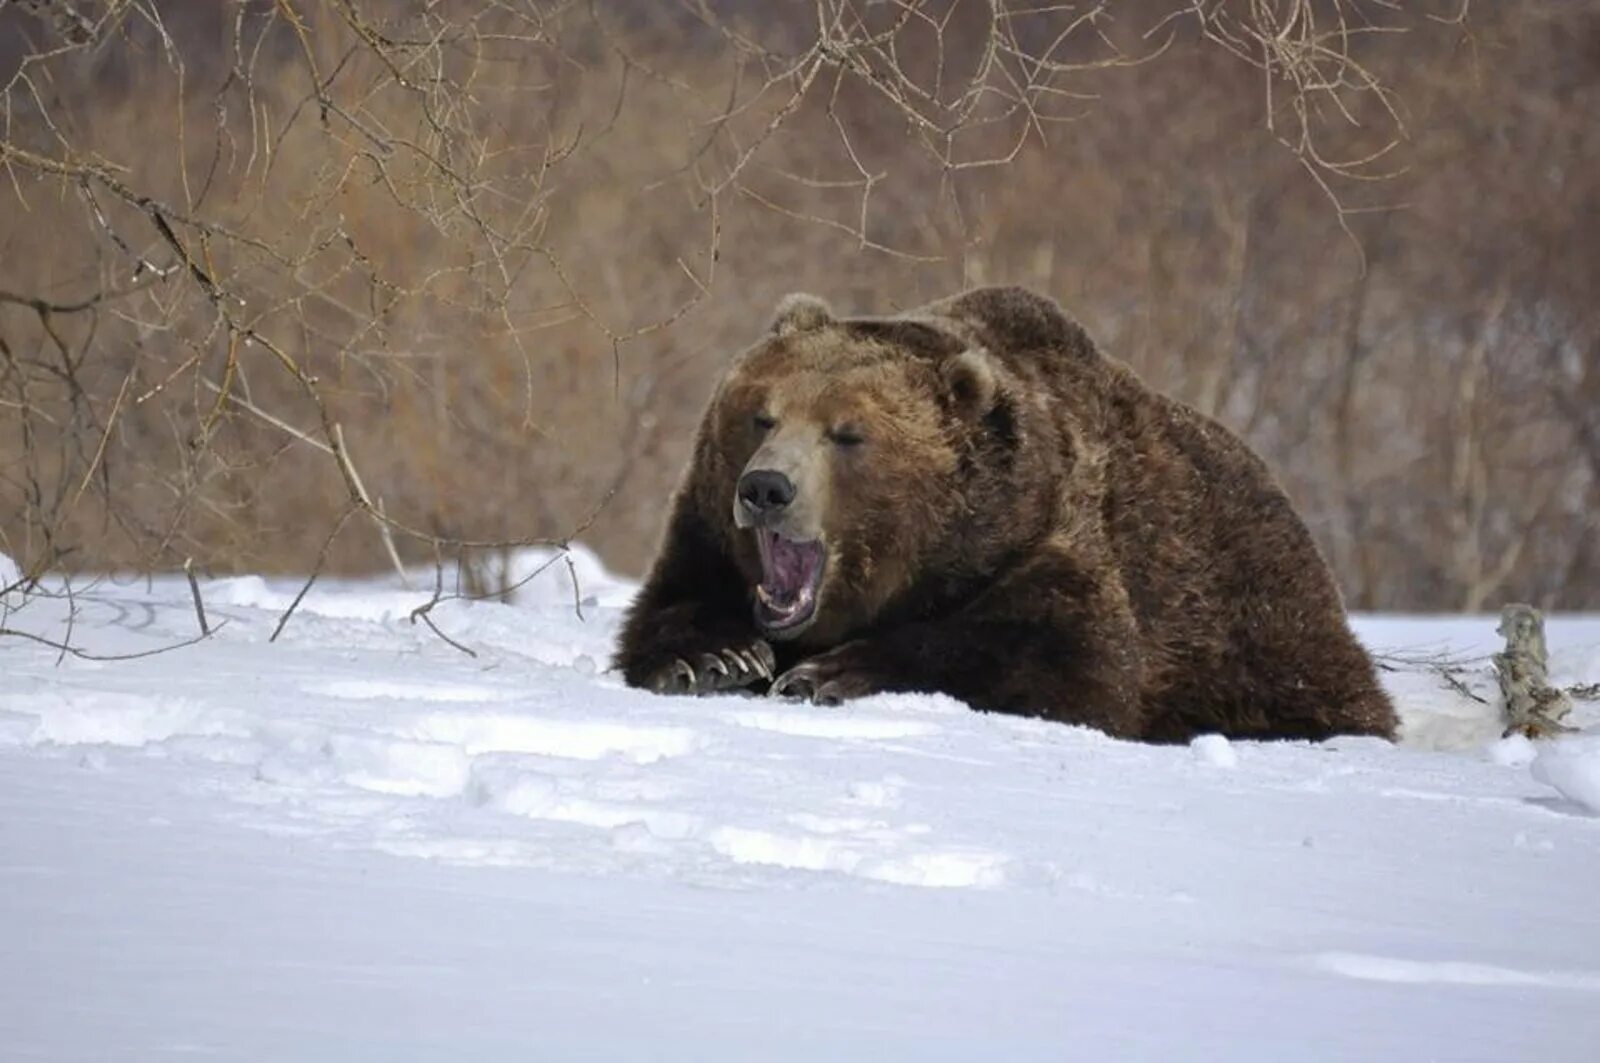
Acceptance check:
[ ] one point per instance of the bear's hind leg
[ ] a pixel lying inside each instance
(1316, 685)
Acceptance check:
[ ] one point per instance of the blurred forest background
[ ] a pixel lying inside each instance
(289, 283)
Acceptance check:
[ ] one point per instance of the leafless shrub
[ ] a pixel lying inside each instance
(292, 285)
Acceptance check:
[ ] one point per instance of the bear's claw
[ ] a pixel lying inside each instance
(823, 681)
(798, 683)
(714, 673)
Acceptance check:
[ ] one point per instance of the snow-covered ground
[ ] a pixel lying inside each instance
(358, 842)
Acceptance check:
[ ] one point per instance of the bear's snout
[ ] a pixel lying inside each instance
(765, 493)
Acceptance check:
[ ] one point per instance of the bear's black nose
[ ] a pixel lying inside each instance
(765, 490)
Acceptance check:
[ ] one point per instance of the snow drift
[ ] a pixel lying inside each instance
(360, 842)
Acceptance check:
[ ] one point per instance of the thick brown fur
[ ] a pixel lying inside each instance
(1011, 518)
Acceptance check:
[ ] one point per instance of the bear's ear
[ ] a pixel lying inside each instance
(799, 312)
(970, 381)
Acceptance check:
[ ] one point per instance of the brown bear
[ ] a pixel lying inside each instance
(971, 498)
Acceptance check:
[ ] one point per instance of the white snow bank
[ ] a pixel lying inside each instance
(534, 577)
(1572, 767)
(545, 577)
(9, 572)
(245, 849)
(541, 577)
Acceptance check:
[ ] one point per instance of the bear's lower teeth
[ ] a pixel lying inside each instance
(782, 603)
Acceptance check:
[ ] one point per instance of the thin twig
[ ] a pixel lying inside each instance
(572, 571)
(421, 612)
(67, 649)
(194, 591)
(316, 570)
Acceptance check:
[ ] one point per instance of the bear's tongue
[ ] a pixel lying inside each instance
(788, 573)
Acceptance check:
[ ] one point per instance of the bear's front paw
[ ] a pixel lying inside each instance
(713, 673)
(829, 679)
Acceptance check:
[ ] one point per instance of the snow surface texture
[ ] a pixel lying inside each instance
(359, 843)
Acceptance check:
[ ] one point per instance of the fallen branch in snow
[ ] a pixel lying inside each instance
(18, 594)
(1452, 680)
(1448, 667)
(1532, 706)
(1585, 692)
(67, 649)
(1401, 660)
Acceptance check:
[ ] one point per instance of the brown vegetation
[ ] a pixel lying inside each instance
(463, 272)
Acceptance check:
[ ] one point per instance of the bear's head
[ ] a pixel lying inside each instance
(853, 456)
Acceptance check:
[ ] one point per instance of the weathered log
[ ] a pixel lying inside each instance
(1531, 706)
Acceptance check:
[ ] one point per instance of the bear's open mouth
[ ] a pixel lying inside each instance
(791, 572)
